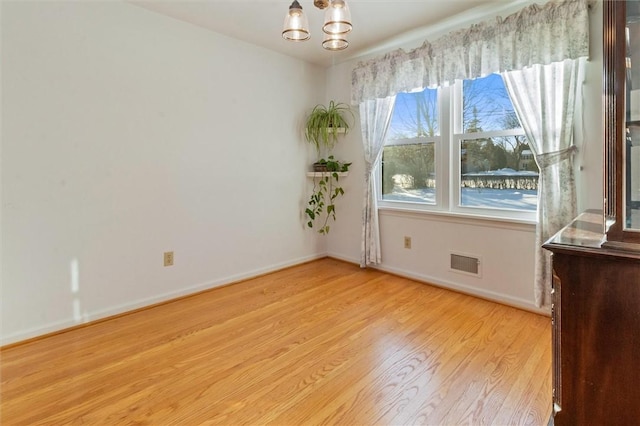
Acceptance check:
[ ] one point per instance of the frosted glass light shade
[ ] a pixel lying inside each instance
(337, 18)
(296, 24)
(335, 42)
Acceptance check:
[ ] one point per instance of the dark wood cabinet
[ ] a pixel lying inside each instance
(596, 327)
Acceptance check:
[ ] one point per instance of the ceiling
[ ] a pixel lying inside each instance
(260, 21)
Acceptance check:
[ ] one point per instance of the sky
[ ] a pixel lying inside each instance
(487, 94)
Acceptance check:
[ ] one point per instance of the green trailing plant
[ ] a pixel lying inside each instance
(324, 124)
(326, 189)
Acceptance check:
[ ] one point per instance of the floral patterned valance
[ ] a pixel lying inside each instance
(545, 34)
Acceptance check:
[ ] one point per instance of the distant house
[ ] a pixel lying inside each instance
(526, 160)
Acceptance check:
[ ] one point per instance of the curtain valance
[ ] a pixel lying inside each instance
(545, 34)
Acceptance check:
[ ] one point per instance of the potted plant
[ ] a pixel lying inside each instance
(326, 190)
(325, 123)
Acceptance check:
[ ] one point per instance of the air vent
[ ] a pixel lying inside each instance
(465, 263)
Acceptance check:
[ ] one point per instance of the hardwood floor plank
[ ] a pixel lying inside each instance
(321, 343)
(396, 354)
(486, 393)
(366, 352)
(460, 357)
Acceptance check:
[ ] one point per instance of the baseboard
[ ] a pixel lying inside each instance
(127, 308)
(450, 285)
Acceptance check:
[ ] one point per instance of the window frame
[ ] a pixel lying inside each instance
(440, 165)
(448, 167)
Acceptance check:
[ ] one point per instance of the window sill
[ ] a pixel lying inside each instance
(459, 217)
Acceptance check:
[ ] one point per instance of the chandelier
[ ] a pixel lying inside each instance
(337, 23)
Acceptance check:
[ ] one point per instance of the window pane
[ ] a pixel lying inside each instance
(408, 173)
(414, 115)
(486, 106)
(498, 172)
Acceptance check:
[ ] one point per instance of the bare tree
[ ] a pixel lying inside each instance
(517, 144)
(485, 104)
(421, 118)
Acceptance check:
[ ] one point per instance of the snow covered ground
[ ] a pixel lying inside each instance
(513, 199)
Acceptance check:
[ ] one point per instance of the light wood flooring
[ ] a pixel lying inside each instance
(320, 343)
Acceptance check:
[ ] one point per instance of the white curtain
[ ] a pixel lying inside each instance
(553, 32)
(544, 97)
(375, 116)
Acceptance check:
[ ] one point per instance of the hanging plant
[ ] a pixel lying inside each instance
(326, 190)
(325, 123)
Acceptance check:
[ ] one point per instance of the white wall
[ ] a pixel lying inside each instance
(126, 134)
(506, 249)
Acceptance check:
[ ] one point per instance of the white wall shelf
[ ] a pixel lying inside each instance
(323, 174)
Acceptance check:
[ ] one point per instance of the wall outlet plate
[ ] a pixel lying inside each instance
(407, 242)
(168, 258)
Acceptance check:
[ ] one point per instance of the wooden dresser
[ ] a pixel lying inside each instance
(596, 327)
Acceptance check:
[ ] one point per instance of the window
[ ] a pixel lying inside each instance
(481, 152)
(408, 158)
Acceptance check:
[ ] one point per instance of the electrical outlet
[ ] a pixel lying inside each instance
(168, 258)
(407, 242)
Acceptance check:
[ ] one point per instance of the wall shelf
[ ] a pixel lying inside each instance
(323, 174)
